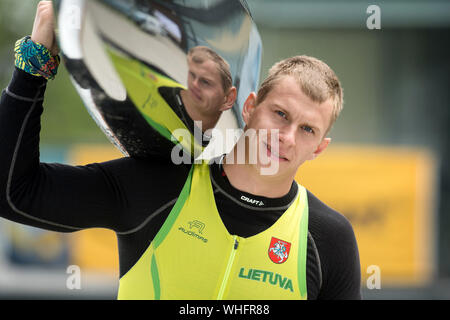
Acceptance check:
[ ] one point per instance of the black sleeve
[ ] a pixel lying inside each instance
(116, 195)
(338, 252)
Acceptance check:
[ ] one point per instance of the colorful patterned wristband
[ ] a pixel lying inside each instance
(35, 59)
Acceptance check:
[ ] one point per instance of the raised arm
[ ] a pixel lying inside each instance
(118, 194)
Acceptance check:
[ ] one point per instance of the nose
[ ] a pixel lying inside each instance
(287, 136)
(192, 80)
(193, 83)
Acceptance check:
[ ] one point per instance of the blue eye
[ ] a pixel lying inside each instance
(308, 129)
(281, 114)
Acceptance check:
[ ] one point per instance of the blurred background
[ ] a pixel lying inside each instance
(387, 169)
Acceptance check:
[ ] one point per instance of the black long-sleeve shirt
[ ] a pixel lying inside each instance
(133, 197)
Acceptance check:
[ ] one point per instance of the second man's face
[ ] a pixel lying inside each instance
(205, 87)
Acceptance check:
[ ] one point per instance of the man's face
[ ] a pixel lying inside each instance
(300, 122)
(205, 87)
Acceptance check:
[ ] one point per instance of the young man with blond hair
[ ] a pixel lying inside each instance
(205, 231)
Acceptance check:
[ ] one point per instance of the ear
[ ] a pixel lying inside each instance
(249, 107)
(230, 98)
(321, 147)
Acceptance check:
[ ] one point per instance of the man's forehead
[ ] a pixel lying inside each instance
(285, 86)
(207, 69)
(287, 93)
(202, 60)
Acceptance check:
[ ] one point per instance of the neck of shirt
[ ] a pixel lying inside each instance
(255, 202)
(242, 213)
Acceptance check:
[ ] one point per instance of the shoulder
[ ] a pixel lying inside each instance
(152, 166)
(140, 179)
(325, 223)
(143, 186)
(335, 240)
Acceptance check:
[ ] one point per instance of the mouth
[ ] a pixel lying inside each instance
(196, 95)
(274, 155)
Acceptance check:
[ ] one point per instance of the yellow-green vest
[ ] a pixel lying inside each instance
(194, 257)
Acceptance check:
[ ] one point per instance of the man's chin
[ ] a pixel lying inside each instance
(271, 166)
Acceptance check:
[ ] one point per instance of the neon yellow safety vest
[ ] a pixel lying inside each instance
(142, 84)
(194, 257)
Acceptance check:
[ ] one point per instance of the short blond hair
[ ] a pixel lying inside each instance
(315, 77)
(200, 54)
